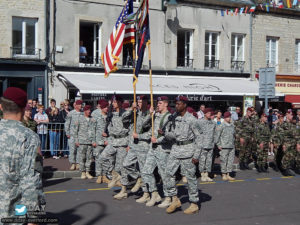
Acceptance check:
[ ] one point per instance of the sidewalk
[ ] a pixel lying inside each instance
(60, 168)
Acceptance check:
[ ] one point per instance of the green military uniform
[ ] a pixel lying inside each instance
(262, 136)
(297, 157)
(1, 114)
(277, 135)
(237, 142)
(30, 123)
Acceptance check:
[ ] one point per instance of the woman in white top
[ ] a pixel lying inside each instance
(42, 119)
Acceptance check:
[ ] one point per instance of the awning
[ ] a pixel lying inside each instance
(293, 99)
(95, 83)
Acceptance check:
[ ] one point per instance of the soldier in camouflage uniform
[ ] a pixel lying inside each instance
(297, 158)
(20, 183)
(246, 134)
(262, 137)
(1, 114)
(69, 127)
(84, 136)
(226, 143)
(101, 143)
(208, 132)
(27, 120)
(184, 154)
(157, 155)
(139, 145)
(288, 145)
(97, 112)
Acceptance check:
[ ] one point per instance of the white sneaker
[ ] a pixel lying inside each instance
(269, 153)
(272, 153)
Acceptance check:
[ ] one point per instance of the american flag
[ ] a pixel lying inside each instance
(115, 43)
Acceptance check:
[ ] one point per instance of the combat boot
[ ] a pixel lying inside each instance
(137, 185)
(155, 198)
(77, 166)
(288, 172)
(99, 180)
(184, 180)
(192, 209)
(297, 170)
(122, 194)
(105, 179)
(224, 177)
(242, 167)
(166, 203)
(73, 167)
(229, 177)
(88, 175)
(116, 178)
(203, 177)
(263, 169)
(208, 178)
(247, 166)
(258, 168)
(83, 175)
(145, 198)
(174, 205)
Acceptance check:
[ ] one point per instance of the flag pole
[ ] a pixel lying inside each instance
(151, 88)
(134, 86)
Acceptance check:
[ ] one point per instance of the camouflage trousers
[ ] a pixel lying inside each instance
(205, 160)
(297, 160)
(73, 150)
(227, 157)
(189, 170)
(129, 166)
(110, 155)
(245, 150)
(288, 156)
(85, 152)
(98, 165)
(155, 158)
(262, 154)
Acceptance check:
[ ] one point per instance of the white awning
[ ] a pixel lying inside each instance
(95, 83)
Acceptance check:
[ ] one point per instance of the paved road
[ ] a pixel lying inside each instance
(250, 200)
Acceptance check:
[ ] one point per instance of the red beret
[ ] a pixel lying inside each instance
(250, 109)
(182, 98)
(190, 110)
(28, 108)
(264, 115)
(227, 114)
(142, 97)
(163, 98)
(79, 102)
(206, 110)
(16, 95)
(103, 104)
(87, 107)
(117, 98)
(125, 105)
(170, 110)
(100, 101)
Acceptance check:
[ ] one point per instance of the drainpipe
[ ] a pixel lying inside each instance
(46, 53)
(250, 48)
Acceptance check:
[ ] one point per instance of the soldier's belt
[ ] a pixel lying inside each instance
(119, 136)
(184, 142)
(145, 140)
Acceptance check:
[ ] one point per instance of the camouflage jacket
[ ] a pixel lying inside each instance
(119, 128)
(298, 134)
(99, 129)
(71, 119)
(31, 124)
(290, 133)
(238, 128)
(277, 134)
(226, 135)
(262, 132)
(20, 183)
(185, 131)
(208, 133)
(84, 130)
(246, 127)
(96, 113)
(1, 114)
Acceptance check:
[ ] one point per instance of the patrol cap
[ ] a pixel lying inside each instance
(250, 109)
(117, 98)
(87, 107)
(182, 98)
(78, 102)
(16, 95)
(163, 98)
(103, 104)
(207, 110)
(125, 105)
(142, 97)
(227, 114)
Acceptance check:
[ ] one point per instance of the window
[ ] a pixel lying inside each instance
(90, 43)
(127, 55)
(272, 52)
(297, 55)
(237, 52)
(211, 50)
(185, 48)
(24, 37)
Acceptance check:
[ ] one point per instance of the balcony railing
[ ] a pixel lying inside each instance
(128, 62)
(270, 64)
(90, 61)
(26, 53)
(297, 67)
(237, 65)
(185, 62)
(212, 64)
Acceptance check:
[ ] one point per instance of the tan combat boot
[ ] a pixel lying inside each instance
(77, 166)
(83, 175)
(88, 175)
(115, 179)
(192, 209)
(122, 194)
(73, 167)
(224, 177)
(208, 178)
(184, 180)
(203, 177)
(137, 185)
(145, 198)
(174, 205)
(166, 203)
(229, 177)
(155, 198)
(105, 179)
(99, 180)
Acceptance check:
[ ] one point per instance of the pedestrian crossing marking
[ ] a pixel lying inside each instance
(233, 181)
(52, 192)
(207, 182)
(287, 177)
(97, 189)
(264, 178)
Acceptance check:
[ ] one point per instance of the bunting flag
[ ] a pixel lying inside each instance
(236, 11)
(241, 11)
(227, 11)
(267, 7)
(261, 6)
(280, 5)
(252, 9)
(246, 10)
(231, 12)
(222, 12)
(289, 3)
(295, 2)
(110, 57)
